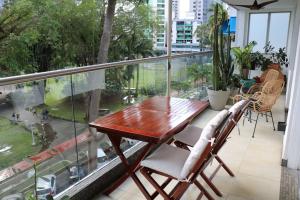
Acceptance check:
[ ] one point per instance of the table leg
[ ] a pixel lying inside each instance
(131, 169)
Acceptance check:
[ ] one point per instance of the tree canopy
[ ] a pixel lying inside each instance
(38, 36)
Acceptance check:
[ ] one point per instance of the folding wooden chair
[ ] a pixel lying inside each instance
(190, 134)
(183, 165)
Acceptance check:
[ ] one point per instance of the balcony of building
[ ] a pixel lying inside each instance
(45, 116)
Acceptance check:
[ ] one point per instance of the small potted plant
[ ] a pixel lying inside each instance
(235, 84)
(256, 60)
(281, 57)
(265, 63)
(243, 58)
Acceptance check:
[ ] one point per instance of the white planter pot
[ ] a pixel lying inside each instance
(218, 99)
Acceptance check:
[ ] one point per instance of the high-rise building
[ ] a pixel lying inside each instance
(175, 8)
(160, 8)
(183, 36)
(196, 8)
(207, 5)
(201, 9)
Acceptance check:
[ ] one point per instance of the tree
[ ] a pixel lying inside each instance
(57, 34)
(202, 32)
(133, 39)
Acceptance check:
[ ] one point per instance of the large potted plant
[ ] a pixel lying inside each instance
(222, 67)
(243, 59)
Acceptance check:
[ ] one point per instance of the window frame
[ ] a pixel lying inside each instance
(268, 25)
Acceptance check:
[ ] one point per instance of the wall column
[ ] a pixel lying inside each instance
(291, 148)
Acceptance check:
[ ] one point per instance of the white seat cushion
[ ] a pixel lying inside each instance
(190, 135)
(167, 159)
(214, 122)
(206, 135)
(237, 107)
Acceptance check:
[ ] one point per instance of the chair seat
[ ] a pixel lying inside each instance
(190, 135)
(167, 159)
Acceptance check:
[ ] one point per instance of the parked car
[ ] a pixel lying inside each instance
(46, 185)
(75, 174)
(101, 157)
(17, 196)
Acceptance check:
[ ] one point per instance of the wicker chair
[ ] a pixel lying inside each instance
(270, 76)
(274, 87)
(262, 105)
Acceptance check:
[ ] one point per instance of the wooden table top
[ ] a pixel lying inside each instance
(153, 120)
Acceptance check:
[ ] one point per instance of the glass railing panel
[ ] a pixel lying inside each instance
(45, 137)
(37, 129)
(102, 92)
(190, 76)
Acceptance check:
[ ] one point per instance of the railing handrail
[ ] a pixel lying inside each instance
(75, 70)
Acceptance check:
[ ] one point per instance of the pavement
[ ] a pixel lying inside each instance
(65, 132)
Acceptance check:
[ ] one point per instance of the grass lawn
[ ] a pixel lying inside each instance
(63, 110)
(19, 139)
(151, 75)
(59, 107)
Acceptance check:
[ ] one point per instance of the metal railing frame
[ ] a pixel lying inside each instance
(75, 70)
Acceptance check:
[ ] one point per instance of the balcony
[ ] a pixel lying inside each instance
(44, 122)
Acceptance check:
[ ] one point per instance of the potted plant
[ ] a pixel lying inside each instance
(281, 57)
(256, 60)
(222, 67)
(265, 63)
(234, 84)
(243, 58)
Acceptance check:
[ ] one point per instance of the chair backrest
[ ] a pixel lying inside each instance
(271, 75)
(264, 102)
(273, 87)
(203, 146)
(237, 111)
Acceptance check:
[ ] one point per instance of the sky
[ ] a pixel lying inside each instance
(183, 8)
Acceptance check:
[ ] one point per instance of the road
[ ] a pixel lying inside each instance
(65, 131)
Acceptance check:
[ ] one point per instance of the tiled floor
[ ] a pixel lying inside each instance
(255, 162)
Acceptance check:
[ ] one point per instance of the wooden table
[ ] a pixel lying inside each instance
(154, 121)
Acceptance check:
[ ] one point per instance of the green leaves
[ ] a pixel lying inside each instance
(243, 55)
(203, 33)
(222, 68)
(38, 36)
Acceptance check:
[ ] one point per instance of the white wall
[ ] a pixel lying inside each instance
(292, 50)
(292, 100)
(241, 23)
(291, 147)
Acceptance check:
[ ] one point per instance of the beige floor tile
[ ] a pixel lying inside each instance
(117, 194)
(254, 188)
(261, 170)
(233, 197)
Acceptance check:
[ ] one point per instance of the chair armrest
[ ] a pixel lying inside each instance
(254, 88)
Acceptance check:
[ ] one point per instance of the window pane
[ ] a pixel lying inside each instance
(277, 38)
(258, 30)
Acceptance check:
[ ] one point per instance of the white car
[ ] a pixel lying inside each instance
(46, 185)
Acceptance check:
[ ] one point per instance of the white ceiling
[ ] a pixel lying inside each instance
(276, 5)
